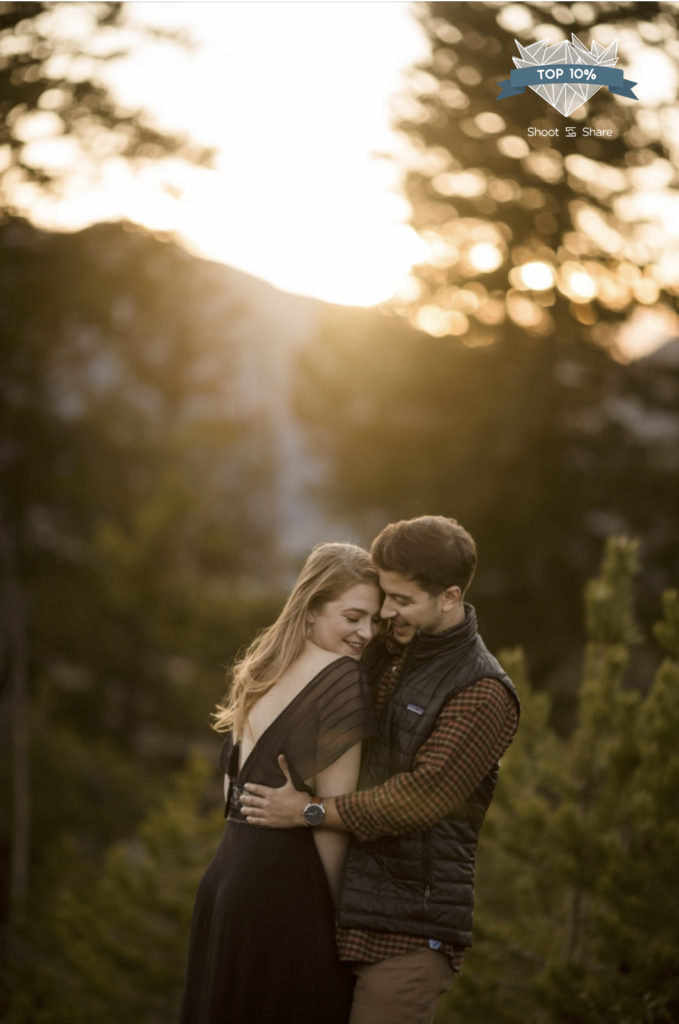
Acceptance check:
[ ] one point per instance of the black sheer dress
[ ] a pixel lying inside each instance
(262, 946)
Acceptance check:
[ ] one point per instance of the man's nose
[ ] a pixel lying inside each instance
(387, 611)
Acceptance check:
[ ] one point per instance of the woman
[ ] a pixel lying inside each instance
(262, 947)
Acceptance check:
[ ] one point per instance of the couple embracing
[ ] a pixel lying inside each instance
(364, 730)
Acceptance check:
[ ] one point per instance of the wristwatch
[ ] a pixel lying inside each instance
(314, 812)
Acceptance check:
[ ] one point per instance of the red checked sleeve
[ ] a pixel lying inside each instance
(471, 733)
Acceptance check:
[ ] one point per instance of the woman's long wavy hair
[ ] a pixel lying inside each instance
(328, 572)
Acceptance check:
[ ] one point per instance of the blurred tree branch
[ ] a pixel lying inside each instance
(534, 236)
(46, 74)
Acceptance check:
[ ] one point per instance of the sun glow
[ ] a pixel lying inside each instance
(355, 250)
(297, 195)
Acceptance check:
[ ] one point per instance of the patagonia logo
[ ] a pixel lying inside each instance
(416, 708)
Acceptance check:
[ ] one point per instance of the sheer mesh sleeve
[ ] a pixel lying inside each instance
(345, 714)
(331, 714)
(336, 715)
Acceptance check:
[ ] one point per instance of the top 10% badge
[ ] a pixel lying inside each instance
(566, 74)
(573, 72)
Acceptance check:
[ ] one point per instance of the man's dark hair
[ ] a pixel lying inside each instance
(435, 552)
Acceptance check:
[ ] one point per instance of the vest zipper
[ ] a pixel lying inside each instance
(392, 697)
(401, 678)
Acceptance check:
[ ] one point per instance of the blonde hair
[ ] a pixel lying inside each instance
(328, 572)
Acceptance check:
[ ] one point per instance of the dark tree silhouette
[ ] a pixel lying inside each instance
(527, 233)
(46, 71)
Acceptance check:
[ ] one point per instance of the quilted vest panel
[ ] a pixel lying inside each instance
(422, 883)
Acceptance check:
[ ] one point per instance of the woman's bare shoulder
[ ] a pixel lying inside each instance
(321, 659)
(311, 664)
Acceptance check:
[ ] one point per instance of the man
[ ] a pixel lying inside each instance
(446, 712)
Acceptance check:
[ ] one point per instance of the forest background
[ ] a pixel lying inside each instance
(169, 446)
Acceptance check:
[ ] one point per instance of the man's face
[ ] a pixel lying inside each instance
(408, 607)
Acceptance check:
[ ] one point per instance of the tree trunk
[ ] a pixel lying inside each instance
(16, 720)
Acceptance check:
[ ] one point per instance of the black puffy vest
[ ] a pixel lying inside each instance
(422, 883)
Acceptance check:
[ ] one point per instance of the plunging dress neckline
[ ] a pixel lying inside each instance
(282, 712)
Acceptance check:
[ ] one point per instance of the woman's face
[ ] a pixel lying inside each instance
(346, 625)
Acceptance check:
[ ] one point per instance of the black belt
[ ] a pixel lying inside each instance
(232, 810)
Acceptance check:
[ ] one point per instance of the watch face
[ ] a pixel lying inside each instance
(314, 814)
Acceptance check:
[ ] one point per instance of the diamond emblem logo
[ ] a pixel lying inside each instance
(567, 96)
(566, 74)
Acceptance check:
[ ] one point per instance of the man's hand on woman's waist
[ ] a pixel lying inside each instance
(283, 806)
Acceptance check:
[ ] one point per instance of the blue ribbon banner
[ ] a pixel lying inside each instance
(566, 74)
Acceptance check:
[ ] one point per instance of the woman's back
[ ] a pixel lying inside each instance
(286, 689)
(262, 946)
(264, 909)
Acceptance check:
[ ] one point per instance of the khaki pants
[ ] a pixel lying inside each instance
(401, 989)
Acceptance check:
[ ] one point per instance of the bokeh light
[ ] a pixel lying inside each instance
(536, 276)
(484, 257)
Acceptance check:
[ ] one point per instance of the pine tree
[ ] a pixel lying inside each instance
(114, 947)
(575, 919)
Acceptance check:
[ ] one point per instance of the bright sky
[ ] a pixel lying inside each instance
(295, 96)
(296, 99)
